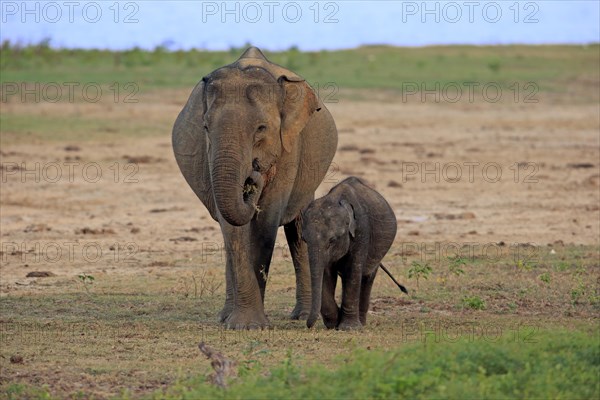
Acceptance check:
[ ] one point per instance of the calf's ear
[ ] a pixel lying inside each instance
(352, 219)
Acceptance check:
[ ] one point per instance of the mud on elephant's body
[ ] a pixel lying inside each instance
(254, 142)
(348, 232)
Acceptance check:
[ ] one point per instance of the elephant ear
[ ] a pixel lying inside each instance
(190, 147)
(299, 103)
(352, 223)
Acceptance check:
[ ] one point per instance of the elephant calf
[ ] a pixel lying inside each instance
(348, 232)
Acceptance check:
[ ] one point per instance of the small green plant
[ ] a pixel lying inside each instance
(289, 373)
(419, 270)
(545, 277)
(524, 265)
(247, 367)
(578, 293)
(473, 302)
(494, 65)
(87, 281)
(562, 266)
(580, 270)
(456, 264)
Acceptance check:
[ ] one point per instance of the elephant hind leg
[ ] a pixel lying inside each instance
(365, 296)
(299, 253)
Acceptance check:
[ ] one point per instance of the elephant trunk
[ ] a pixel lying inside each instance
(316, 280)
(236, 191)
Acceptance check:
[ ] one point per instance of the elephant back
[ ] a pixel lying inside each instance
(253, 57)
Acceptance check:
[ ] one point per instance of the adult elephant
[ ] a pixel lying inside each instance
(254, 141)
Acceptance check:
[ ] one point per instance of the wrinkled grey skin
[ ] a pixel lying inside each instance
(254, 142)
(348, 232)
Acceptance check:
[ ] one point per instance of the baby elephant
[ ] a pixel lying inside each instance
(348, 232)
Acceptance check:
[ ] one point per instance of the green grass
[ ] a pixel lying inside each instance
(140, 88)
(552, 68)
(549, 365)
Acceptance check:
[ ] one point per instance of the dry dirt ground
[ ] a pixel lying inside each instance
(477, 176)
(458, 173)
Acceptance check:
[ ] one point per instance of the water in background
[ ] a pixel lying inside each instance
(308, 25)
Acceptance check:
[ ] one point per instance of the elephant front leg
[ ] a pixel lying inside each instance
(262, 254)
(329, 308)
(351, 283)
(244, 307)
(299, 253)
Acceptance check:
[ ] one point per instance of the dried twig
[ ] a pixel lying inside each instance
(222, 365)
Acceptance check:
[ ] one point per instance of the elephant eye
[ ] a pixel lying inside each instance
(261, 128)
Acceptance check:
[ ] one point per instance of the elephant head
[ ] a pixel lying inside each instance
(234, 128)
(328, 228)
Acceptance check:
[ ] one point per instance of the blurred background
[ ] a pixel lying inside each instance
(306, 25)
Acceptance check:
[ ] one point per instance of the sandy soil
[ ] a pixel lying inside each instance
(140, 212)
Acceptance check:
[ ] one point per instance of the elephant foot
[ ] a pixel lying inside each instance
(330, 322)
(363, 319)
(301, 312)
(225, 313)
(246, 319)
(350, 325)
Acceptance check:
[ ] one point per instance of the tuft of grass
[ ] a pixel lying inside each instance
(545, 277)
(16, 391)
(494, 65)
(473, 302)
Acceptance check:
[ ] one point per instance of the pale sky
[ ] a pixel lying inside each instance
(309, 25)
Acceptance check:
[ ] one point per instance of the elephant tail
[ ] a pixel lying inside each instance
(402, 288)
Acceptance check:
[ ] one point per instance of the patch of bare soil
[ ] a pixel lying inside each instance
(486, 173)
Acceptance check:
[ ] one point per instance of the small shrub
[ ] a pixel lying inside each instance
(545, 277)
(455, 265)
(473, 302)
(494, 65)
(87, 281)
(419, 270)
